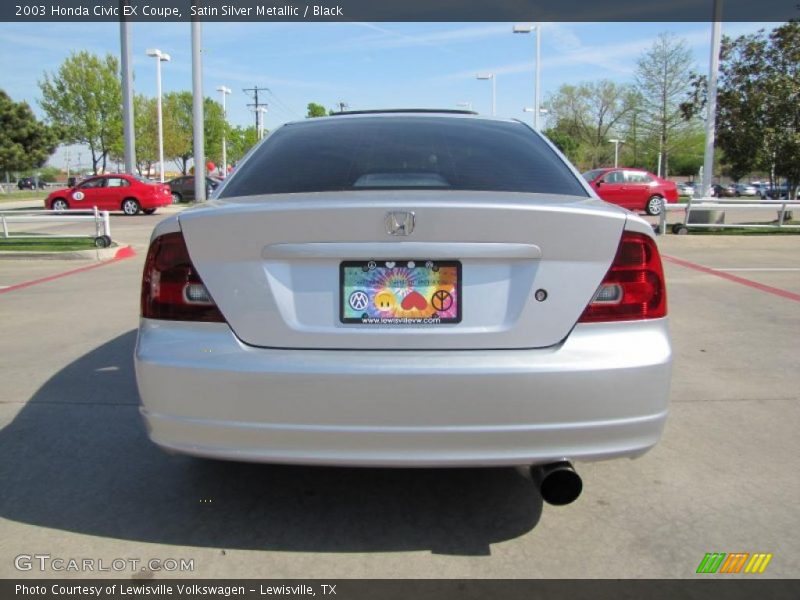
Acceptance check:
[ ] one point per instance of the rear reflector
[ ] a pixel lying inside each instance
(634, 286)
(171, 287)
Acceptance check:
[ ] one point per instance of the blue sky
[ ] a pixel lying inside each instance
(367, 65)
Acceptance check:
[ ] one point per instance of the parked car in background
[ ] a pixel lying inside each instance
(182, 188)
(30, 183)
(686, 189)
(128, 193)
(634, 189)
(723, 191)
(744, 189)
(776, 192)
(406, 289)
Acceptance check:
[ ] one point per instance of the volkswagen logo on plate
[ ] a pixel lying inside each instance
(400, 223)
(358, 300)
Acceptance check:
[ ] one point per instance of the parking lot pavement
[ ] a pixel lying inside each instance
(80, 479)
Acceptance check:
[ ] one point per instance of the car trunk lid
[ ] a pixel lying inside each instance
(273, 264)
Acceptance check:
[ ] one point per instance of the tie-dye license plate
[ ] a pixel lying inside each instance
(400, 292)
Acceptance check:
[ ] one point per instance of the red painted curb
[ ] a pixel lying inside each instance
(125, 252)
(121, 254)
(736, 279)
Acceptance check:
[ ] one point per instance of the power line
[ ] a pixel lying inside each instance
(284, 105)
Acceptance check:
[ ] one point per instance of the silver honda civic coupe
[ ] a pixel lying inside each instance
(406, 288)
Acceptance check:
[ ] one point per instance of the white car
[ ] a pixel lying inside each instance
(406, 288)
(745, 189)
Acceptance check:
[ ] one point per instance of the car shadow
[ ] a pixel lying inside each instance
(77, 458)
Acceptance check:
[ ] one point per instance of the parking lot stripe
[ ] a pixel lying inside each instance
(122, 254)
(735, 278)
(756, 268)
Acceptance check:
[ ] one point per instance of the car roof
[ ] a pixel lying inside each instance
(388, 113)
(384, 111)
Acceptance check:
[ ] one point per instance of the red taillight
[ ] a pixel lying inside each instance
(634, 286)
(171, 286)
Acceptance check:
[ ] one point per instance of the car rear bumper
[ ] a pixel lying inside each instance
(156, 201)
(600, 394)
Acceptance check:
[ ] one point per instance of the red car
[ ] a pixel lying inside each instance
(127, 193)
(634, 189)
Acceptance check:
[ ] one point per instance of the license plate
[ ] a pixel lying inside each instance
(400, 292)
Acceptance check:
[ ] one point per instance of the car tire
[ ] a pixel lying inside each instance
(176, 198)
(148, 211)
(654, 206)
(60, 205)
(131, 206)
(680, 229)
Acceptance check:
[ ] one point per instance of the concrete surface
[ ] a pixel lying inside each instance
(79, 479)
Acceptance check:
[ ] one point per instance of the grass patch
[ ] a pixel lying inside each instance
(46, 244)
(23, 195)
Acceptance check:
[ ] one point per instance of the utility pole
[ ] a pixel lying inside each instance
(255, 105)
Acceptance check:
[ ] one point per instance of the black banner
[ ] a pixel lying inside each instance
(399, 10)
(742, 588)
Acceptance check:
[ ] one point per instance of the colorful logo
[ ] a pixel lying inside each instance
(733, 563)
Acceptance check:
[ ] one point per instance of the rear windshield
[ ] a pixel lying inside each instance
(401, 152)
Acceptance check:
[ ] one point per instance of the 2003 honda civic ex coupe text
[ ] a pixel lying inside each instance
(406, 288)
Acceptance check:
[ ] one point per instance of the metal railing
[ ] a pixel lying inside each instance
(100, 219)
(705, 204)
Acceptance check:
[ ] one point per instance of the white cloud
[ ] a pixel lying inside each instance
(617, 58)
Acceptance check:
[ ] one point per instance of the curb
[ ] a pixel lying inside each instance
(98, 254)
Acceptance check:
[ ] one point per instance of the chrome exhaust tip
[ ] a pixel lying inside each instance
(558, 482)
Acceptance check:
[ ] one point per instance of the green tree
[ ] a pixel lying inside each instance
(590, 113)
(25, 142)
(240, 140)
(568, 145)
(316, 110)
(145, 123)
(662, 83)
(84, 99)
(177, 118)
(179, 128)
(758, 104)
(687, 155)
(215, 128)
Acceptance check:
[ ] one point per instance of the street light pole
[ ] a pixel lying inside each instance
(126, 64)
(493, 77)
(224, 91)
(198, 145)
(537, 31)
(260, 112)
(160, 57)
(616, 143)
(711, 103)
